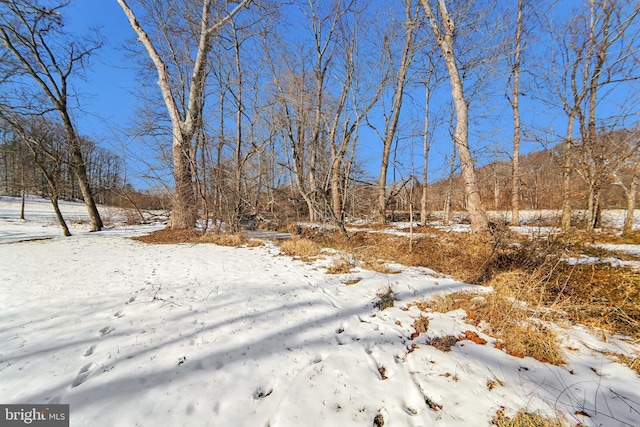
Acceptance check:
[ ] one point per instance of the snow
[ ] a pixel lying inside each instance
(177, 335)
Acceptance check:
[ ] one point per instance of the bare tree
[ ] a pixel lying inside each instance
(360, 90)
(444, 31)
(598, 51)
(515, 105)
(321, 95)
(624, 164)
(247, 77)
(44, 141)
(32, 33)
(411, 26)
(432, 79)
(186, 117)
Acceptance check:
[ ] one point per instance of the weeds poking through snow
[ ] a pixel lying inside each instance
(340, 265)
(443, 343)
(431, 404)
(526, 268)
(421, 325)
(387, 299)
(504, 318)
(383, 373)
(169, 236)
(524, 419)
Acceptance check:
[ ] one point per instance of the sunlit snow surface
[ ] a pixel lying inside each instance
(200, 335)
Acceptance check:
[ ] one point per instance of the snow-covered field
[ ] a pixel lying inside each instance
(131, 334)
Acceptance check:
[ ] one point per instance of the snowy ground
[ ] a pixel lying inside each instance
(131, 334)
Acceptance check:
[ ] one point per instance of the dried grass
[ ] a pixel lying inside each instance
(518, 267)
(632, 363)
(524, 419)
(340, 265)
(170, 236)
(508, 321)
(300, 247)
(386, 299)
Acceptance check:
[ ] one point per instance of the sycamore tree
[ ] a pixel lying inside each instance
(178, 45)
(443, 27)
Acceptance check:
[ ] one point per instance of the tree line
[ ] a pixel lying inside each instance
(34, 160)
(269, 107)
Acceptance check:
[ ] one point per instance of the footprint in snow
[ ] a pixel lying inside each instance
(90, 351)
(118, 314)
(261, 393)
(132, 299)
(106, 330)
(82, 375)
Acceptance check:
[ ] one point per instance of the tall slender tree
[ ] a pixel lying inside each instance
(515, 105)
(443, 27)
(413, 19)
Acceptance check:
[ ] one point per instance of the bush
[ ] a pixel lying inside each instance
(300, 247)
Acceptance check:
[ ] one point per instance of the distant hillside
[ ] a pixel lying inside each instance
(617, 158)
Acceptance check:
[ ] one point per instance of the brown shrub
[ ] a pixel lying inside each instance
(505, 319)
(170, 236)
(300, 247)
(526, 268)
(524, 419)
(421, 325)
(340, 265)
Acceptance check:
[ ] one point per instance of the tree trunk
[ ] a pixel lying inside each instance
(447, 201)
(183, 207)
(566, 175)
(631, 205)
(515, 104)
(81, 173)
(61, 221)
(391, 125)
(424, 213)
(22, 194)
(238, 209)
(479, 223)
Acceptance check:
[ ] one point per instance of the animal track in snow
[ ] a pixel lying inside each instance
(90, 351)
(132, 299)
(82, 375)
(118, 314)
(261, 393)
(106, 330)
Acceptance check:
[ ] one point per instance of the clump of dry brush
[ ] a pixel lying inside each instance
(532, 278)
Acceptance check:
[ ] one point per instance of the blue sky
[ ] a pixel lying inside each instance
(107, 91)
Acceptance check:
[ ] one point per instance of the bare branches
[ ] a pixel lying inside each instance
(34, 37)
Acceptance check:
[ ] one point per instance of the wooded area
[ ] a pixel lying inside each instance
(271, 109)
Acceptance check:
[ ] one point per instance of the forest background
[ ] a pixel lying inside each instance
(323, 110)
